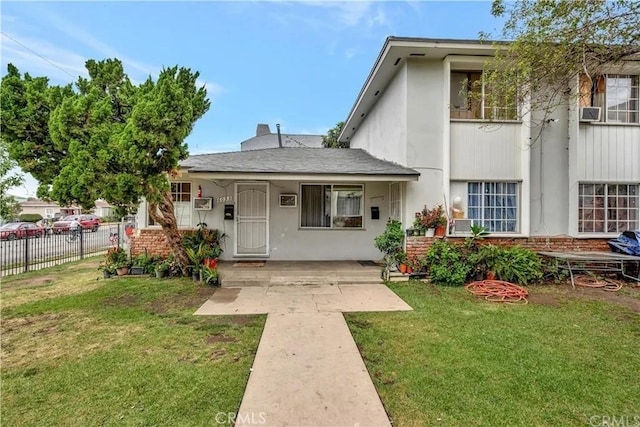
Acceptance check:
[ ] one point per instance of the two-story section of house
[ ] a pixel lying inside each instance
(519, 173)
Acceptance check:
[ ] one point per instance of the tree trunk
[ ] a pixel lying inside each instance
(163, 213)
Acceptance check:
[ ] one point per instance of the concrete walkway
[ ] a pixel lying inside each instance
(307, 371)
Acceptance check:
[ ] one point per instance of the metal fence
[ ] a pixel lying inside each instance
(34, 253)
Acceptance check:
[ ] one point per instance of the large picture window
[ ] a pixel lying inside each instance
(331, 206)
(608, 208)
(494, 205)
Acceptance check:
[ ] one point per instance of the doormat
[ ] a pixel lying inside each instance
(248, 264)
(369, 263)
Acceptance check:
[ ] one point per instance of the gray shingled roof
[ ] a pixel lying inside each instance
(325, 161)
(288, 140)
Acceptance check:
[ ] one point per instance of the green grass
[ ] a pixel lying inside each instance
(458, 360)
(78, 350)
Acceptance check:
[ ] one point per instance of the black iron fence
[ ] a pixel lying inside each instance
(18, 255)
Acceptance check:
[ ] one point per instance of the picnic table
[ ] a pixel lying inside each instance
(605, 262)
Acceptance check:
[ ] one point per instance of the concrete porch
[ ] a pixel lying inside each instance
(243, 273)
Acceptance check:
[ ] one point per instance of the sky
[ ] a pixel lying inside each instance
(297, 63)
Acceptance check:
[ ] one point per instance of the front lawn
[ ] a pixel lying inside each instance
(81, 350)
(458, 360)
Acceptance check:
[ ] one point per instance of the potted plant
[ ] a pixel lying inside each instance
(161, 269)
(209, 276)
(401, 259)
(117, 260)
(428, 219)
(441, 226)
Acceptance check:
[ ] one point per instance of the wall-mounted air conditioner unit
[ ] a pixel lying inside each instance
(202, 203)
(462, 226)
(590, 114)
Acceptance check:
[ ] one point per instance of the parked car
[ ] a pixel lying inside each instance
(87, 221)
(20, 230)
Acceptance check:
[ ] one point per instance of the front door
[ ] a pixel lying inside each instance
(252, 219)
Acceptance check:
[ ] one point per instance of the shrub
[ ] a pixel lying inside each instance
(515, 265)
(390, 241)
(430, 218)
(447, 266)
(30, 217)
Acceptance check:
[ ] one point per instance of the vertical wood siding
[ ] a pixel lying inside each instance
(609, 153)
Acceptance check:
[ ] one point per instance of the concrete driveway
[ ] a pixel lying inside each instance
(307, 370)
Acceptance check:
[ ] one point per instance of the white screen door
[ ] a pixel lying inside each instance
(252, 219)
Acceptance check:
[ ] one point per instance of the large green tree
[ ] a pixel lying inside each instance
(330, 140)
(553, 42)
(9, 207)
(105, 137)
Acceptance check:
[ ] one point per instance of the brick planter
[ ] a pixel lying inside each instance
(152, 240)
(418, 245)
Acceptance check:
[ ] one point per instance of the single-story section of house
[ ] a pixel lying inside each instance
(286, 203)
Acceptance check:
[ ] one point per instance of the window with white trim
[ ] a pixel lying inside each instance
(608, 208)
(472, 98)
(395, 201)
(331, 206)
(181, 196)
(494, 205)
(618, 96)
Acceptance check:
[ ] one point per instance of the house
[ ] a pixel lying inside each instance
(47, 210)
(266, 139)
(103, 209)
(566, 181)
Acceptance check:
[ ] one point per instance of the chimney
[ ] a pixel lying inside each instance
(263, 130)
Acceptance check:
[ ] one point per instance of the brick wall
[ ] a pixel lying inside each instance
(418, 245)
(152, 240)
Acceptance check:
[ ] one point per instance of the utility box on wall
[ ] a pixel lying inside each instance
(228, 212)
(375, 212)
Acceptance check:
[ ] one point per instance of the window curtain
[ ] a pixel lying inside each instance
(312, 206)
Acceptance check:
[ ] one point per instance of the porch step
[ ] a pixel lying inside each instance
(232, 282)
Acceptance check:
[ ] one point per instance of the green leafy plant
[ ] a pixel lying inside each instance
(209, 275)
(446, 264)
(149, 262)
(113, 259)
(516, 264)
(390, 241)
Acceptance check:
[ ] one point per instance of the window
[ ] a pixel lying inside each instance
(395, 201)
(48, 212)
(617, 95)
(494, 205)
(181, 196)
(331, 206)
(472, 98)
(607, 208)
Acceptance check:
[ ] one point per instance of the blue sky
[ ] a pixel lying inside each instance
(300, 64)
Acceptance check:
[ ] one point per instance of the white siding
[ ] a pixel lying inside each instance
(384, 130)
(609, 153)
(489, 152)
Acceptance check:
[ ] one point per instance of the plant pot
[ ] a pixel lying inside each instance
(440, 231)
(491, 275)
(430, 232)
(159, 274)
(122, 271)
(106, 274)
(403, 268)
(409, 269)
(213, 282)
(195, 275)
(136, 271)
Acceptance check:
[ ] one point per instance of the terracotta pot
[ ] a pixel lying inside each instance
(491, 275)
(403, 268)
(409, 269)
(440, 231)
(122, 271)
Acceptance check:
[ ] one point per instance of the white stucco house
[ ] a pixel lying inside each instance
(416, 140)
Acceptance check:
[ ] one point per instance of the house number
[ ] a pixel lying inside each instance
(224, 199)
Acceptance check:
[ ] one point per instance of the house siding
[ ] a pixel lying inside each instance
(609, 153)
(384, 131)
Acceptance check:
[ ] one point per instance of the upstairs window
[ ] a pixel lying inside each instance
(608, 208)
(616, 94)
(472, 98)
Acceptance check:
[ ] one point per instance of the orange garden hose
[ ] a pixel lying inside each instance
(594, 282)
(498, 291)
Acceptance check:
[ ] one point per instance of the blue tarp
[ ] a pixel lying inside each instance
(627, 243)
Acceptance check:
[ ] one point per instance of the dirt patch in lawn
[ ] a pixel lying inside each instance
(628, 296)
(543, 299)
(180, 302)
(632, 302)
(213, 339)
(32, 282)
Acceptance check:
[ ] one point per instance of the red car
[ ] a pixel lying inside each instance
(20, 230)
(88, 222)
